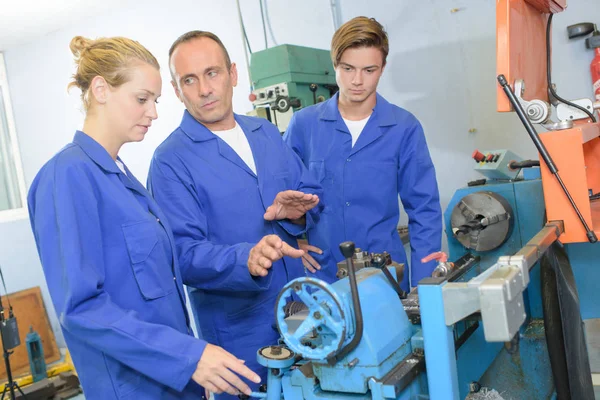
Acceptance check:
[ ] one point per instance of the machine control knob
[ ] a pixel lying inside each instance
(489, 158)
(478, 156)
(347, 249)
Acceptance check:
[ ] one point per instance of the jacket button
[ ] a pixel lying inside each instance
(348, 203)
(348, 159)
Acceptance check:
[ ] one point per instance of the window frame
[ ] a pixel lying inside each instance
(21, 212)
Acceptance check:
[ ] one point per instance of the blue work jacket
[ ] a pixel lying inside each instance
(215, 205)
(361, 184)
(108, 256)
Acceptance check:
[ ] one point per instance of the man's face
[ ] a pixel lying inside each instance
(358, 72)
(203, 83)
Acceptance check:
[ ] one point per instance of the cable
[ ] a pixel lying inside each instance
(243, 28)
(246, 37)
(246, 44)
(548, 71)
(334, 14)
(262, 15)
(10, 309)
(268, 19)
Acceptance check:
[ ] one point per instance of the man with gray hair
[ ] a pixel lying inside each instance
(237, 198)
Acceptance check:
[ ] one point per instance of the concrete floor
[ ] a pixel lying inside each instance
(592, 335)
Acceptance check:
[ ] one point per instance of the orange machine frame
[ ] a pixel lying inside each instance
(521, 54)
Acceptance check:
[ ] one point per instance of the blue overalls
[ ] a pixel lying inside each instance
(215, 205)
(361, 184)
(109, 261)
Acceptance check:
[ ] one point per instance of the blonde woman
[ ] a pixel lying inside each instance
(107, 251)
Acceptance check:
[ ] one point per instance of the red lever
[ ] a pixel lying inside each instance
(439, 255)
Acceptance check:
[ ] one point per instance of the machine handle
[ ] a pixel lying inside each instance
(581, 29)
(347, 249)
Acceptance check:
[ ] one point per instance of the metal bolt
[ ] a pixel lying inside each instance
(275, 350)
(317, 315)
(474, 387)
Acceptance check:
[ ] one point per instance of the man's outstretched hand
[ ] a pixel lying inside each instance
(270, 249)
(290, 204)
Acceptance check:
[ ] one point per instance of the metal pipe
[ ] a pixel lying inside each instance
(537, 245)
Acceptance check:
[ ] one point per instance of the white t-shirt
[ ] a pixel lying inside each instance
(236, 139)
(121, 166)
(356, 127)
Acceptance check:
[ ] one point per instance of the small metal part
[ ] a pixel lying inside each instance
(474, 387)
(276, 353)
(353, 363)
(559, 126)
(537, 111)
(363, 259)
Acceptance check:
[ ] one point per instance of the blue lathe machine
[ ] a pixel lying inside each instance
(515, 316)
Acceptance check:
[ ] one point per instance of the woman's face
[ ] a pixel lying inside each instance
(131, 107)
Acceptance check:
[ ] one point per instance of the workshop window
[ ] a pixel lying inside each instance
(12, 185)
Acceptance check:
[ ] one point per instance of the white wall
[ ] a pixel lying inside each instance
(441, 67)
(47, 116)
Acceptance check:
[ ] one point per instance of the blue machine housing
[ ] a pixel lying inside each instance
(386, 335)
(455, 355)
(526, 199)
(524, 371)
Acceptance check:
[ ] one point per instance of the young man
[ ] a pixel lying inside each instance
(365, 152)
(236, 197)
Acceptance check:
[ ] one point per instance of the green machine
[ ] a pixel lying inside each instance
(286, 78)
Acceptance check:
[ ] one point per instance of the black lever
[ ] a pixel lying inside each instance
(543, 152)
(379, 261)
(347, 249)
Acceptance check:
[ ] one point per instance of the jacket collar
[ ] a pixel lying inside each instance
(200, 133)
(383, 111)
(96, 152)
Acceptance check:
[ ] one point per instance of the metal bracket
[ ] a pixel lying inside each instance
(565, 112)
(498, 292)
(558, 126)
(538, 111)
